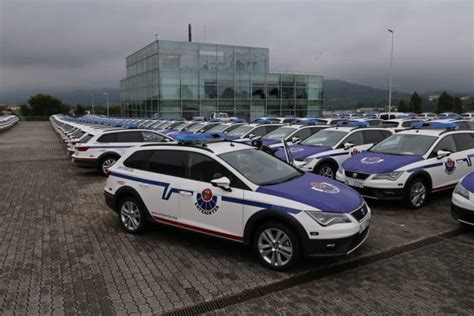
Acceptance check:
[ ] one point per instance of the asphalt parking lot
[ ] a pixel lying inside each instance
(63, 251)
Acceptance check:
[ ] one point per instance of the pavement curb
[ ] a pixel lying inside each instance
(311, 275)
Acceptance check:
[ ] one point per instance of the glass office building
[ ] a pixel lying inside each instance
(186, 79)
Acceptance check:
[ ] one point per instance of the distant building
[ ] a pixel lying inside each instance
(174, 79)
(433, 97)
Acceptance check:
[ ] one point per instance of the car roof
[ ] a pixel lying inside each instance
(433, 132)
(217, 147)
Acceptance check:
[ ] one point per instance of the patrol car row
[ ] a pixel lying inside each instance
(232, 190)
(7, 121)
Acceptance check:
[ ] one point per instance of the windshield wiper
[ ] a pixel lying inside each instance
(282, 180)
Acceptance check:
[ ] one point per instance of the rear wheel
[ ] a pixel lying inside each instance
(326, 170)
(106, 163)
(416, 193)
(276, 246)
(132, 215)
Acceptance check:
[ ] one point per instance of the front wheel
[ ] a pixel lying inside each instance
(276, 246)
(416, 193)
(326, 170)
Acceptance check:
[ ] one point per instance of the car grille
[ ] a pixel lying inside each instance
(356, 175)
(360, 213)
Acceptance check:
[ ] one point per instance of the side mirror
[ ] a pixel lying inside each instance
(442, 153)
(348, 146)
(295, 139)
(222, 182)
(251, 135)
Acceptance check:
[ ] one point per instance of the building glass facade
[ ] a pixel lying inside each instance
(186, 79)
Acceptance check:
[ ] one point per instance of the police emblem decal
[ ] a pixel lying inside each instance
(449, 166)
(324, 187)
(371, 160)
(206, 202)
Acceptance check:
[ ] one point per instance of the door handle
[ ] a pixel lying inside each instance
(186, 193)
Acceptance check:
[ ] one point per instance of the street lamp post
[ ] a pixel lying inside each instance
(390, 84)
(107, 102)
(92, 103)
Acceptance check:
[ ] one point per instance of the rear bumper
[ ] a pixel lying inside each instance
(462, 215)
(110, 200)
(334, 247)
(84, 163)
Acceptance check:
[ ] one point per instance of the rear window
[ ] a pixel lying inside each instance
(138, 160)
(85, 139)
(107, 138)
(129, 137)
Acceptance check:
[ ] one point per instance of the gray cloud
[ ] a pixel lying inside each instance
(83, 44)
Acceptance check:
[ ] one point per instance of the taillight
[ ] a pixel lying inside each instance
(82, 148)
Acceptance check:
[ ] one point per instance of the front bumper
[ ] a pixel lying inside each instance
(383, 191)
(334, 247)
(462, 215)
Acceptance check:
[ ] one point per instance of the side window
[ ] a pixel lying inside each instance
(259, 131)
(268, 129)
(138, 160)
(447, 144)
(303, 133)
(152, 137)
(373, 137)
(203, 168)
(408, 123)
(355, 138)
(129, 137)
(464, 141)
(169, 162)
(107, 138)
(386, 134)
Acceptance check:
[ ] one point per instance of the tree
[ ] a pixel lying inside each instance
(24, 110)
(43, 104)
(457, 107)
(402, 106)
(79, 110)
(445, 103)
(415, 103)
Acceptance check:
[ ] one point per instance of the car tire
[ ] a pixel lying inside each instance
(326, 170)
(416, 193)
(132, 215)
(106, 163)
(276, 246)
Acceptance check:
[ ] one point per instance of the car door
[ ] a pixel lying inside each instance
(207, 208)
(161, 185)
(444, 171)
(127, 139)
(465, 147)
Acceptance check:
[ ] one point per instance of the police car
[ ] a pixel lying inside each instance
(323, 152)
(235, 191)
(412, 164)
(248, 131)
(103, 149)
(291, 133)
(397, 125)
(462, 202)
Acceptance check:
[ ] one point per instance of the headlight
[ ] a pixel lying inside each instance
(392, 176)
(462, 191)
(307, 160)
(327, 219)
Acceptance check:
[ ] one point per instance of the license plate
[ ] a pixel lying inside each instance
(355, 183)
(363, 226)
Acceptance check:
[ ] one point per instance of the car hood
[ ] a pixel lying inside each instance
(268, 142)
(317, 191)
(370, 162)
(227, 137)
(468, 182)
(300, 152)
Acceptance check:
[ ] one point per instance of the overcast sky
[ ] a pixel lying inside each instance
(80, 44)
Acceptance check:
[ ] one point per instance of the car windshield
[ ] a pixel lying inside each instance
(259, 167)
(388, 124)
(280, 133)
(194, 128)
(85, 139)
(218, 128)
(166, 125)
(405, 144)
(240, 131)
(324, 138)
(178, 125)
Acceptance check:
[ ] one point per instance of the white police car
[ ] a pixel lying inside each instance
(235, 191)
(291, 133)
(462, 202)
(412, 164)
(248, 131)
(103, 149)
(398, 125)
(323, 152)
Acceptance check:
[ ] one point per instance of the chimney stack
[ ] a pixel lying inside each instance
(190, 36)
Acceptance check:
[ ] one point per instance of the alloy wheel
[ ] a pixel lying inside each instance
(130, 215)
(275, 247)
